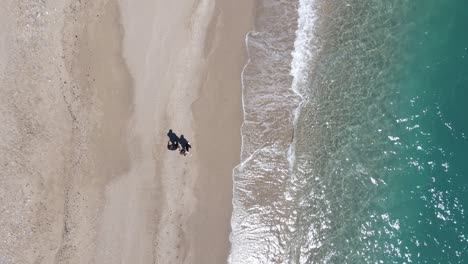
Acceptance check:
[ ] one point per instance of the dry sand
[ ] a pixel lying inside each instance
(88, 91)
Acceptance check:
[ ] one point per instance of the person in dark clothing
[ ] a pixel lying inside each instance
(173, 143)
(185, 145)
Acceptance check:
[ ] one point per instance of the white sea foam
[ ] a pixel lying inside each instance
(304, 45)
(271, 102)
(303, 54)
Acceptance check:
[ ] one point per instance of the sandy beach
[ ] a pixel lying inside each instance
(89, 90)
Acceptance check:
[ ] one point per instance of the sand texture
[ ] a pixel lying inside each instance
(88, 91)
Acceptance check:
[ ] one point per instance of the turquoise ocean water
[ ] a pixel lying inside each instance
(355, 141)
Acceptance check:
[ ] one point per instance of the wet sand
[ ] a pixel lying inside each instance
(89, 91)
(218, 117)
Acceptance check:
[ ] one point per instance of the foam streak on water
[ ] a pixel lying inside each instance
(304, 48)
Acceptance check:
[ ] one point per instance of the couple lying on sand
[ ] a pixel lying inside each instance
(175, 143)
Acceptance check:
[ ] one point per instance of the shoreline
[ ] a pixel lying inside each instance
(218, 117)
